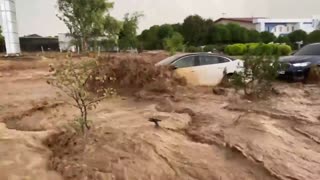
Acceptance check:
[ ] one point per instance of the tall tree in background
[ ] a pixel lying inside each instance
(2, 42)
(267, 37)
(253, 36)
(149, 38)
(174, 43)
(218, 34)
(283, 39)
(128, 34)
(298, 35)
(194, 30)
(165, 31)
(84, 18)
(314, 37)
(238, 33)
(112, 28)
(177, 27)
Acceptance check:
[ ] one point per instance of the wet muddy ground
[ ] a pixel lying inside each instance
(202, 136)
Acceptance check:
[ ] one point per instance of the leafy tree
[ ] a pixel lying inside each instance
(298, 35)
(2, 41)
(253, 36)
(177, 28)
(72, 78)
(149, 38)
(219, 34)
(193, 49)
(174, 43)
(165, 31)
(112, 28)
(283, 39)
(153, 38)
(314, 37)
(267, 37)
(257, 77)
(128, 34)
(83, 18)
(238, 33)
(194, 30)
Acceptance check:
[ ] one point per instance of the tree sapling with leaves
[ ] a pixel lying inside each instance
(258, 75)
(72, 78)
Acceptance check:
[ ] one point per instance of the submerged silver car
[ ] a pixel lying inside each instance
(203, 68)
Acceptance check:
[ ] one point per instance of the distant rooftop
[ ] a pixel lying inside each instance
(244, 19)
(33, 36)
(36, 36)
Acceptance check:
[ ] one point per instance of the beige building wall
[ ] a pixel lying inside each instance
(250, 26)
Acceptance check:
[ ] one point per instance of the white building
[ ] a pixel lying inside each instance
(277, 26)
(66, 42)
(285, 26)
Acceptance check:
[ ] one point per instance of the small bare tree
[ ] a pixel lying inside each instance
(72, 78)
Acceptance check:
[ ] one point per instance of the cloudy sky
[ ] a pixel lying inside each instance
(39, 16)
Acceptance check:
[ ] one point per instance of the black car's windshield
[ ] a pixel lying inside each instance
(309, 50)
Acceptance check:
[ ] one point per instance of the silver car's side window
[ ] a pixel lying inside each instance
(224, 60)
(207, 60)
(184, 62)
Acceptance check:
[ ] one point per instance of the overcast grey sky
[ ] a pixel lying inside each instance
(39, 16)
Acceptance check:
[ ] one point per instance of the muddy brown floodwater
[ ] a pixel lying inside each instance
(202, 136)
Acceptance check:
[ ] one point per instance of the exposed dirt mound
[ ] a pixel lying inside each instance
(134, 74)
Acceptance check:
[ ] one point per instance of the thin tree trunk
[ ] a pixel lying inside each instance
(82, 126)
(86, 118)
(84, 44)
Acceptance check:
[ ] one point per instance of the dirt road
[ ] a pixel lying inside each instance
(202, 136)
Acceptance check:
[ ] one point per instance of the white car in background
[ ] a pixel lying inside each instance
(204, 69)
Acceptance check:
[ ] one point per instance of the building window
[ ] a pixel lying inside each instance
(280, 29)
(292, 28)
(288, 28)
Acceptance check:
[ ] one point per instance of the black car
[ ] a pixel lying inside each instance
(297, 66)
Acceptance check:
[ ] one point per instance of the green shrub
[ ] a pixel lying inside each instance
(236, 49)
(258, 49)
(284, 50)
(267, 49)
(209, 48)
(258, 75)
(251, 48)
(193, 49)
(220, 47)
(227, 50)
(174, 43)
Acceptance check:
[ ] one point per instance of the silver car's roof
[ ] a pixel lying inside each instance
(170, 59)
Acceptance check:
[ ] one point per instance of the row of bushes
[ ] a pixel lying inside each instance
(258, 49)
(207, 48)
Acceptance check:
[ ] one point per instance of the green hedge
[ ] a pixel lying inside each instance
(236, 49)
(258, 49)
(284, 50)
